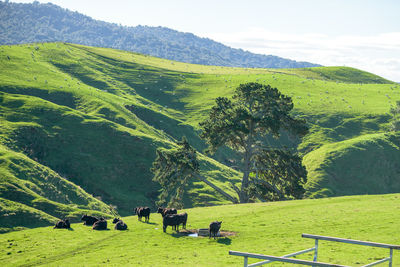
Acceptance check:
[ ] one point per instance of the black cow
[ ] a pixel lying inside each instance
(62, 224)
(119, 224)
(142, 212)
(182, 219)
(100, 225)
(165, 211)
(89, 220)
(170, 219)
(137, 211)
(214, 228)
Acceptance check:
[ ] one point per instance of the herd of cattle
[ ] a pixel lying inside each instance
(170, 218)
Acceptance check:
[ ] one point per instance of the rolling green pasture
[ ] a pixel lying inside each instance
(315, 91)
(265, 228)
(95, 116)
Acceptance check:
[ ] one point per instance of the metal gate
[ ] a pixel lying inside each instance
(286, 258)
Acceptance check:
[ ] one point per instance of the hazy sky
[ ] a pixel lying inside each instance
(359, 33)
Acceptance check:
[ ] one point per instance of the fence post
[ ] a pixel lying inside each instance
(391, 257)
(316, 250)
(245, 261)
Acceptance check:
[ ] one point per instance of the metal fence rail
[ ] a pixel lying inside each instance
(351, 241)
(269, 259)
(281, 259)
(286, 256)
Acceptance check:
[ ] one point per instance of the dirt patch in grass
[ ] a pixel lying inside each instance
(223, 233)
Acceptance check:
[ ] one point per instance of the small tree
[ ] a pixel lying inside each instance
(244, 122)
(395, 125)
(172, 169)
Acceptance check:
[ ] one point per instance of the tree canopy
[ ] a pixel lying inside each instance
(244, 122)
(279, 174)
(172, 169)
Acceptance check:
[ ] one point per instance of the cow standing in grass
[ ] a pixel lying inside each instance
(142, 212)
(170, 219)
(182, 219)
(165, 211)
(214, 228)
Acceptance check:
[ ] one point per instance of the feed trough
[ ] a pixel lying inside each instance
(203, 232)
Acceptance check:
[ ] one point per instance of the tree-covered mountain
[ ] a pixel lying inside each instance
(35, 22)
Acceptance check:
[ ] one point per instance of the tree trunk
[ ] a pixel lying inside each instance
(243, 195)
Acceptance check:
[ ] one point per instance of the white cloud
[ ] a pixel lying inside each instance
(379, 54)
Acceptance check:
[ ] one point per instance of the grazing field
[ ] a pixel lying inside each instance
(91, 118)
(266, 228)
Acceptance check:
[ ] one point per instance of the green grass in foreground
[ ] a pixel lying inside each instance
(266, 228)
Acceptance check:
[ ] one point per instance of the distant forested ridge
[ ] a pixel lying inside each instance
(35, 22)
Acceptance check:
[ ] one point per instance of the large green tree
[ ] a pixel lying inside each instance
(172, 169)
(244, 123)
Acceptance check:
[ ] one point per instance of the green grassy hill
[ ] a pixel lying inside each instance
(265, 228)
(363, 165)
(34, 195)
(95, 116)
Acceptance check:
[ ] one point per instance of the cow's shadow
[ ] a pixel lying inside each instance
(178, 234)
(153, 223)
(183, 232)
(224, 240)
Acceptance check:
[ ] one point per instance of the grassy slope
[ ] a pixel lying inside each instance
(363, 165)
(266, 228)
(88, 135)
(81, 102)
(37, 188)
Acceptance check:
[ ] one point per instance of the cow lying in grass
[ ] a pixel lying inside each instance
(214, 228)
(119, 224)
(89, 220)
(62, 224)
(101, 224)
(142, 212)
